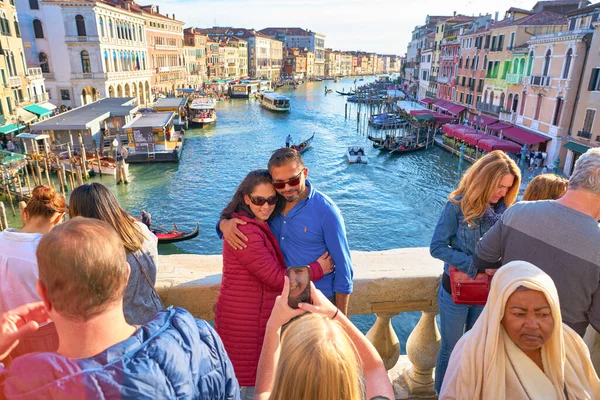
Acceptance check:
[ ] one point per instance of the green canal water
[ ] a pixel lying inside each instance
(392, 202)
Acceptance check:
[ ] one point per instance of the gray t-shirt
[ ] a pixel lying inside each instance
(559, 240)
(139, 302)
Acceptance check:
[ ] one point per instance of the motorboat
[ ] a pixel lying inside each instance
(356, 155)
(202, 111)
(274, 101)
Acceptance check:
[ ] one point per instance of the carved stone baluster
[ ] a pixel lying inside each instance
(422, 348)
(384, 339)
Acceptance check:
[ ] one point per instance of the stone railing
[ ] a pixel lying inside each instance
(386, 283)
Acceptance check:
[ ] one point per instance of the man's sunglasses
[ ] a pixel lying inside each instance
(292, 182)
(260, 201)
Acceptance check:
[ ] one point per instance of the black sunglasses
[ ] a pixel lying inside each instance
(260, 201)
(292, 182)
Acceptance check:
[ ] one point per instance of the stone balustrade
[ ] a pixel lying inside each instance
(385, 283)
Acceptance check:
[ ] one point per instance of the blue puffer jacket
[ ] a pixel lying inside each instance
(174, 356)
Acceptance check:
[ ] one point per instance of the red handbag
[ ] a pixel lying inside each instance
(467, 290)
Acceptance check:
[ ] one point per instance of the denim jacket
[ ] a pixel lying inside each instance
(454, 240)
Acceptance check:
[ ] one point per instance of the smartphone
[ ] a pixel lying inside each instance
(299, 285)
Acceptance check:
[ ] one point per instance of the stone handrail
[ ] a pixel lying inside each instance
(385, 283)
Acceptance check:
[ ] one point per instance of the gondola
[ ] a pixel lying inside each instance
(345, 93)
(166, 236)
(302, 147)
(401, 149)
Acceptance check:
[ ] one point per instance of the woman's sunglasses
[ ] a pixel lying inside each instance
(292, 182)
(260, 201)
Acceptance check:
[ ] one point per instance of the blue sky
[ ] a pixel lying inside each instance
(382, 26)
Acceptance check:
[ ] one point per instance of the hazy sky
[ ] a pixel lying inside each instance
(382, 26)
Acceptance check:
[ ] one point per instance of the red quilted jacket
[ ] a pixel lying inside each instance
(252, 279)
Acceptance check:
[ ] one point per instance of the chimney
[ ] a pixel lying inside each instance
(128, 6)
(582, 4)
(157, 10)
(496, 16)
(454, 14)
(173, 15)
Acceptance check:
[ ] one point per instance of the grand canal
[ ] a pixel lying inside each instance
(391, 202)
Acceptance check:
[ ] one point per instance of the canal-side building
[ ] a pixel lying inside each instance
(345, 64)
(276, 55)
(215, 66)
(197, 41)
(87, 49)
(164, 36)
(425, 65)
(301, 38)
(553, 85)
(298, 63)
(584, 127)
(21, 87)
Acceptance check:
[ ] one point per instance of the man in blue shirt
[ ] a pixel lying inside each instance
(309, 225)
(288, 140)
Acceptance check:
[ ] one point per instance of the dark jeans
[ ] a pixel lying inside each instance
(287, 145)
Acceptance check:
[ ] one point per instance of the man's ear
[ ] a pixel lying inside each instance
(43, 293)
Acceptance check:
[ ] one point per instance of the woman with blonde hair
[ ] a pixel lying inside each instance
(545, 187)
(519, 348)
(140, 301)
(485, 191)
(321, 355)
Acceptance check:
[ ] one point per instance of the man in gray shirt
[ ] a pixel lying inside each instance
(561, 237)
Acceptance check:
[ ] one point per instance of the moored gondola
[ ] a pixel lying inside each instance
(302, 147)
(173, 236)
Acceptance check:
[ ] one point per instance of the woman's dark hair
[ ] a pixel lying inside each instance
(251, 181)
(94, 200)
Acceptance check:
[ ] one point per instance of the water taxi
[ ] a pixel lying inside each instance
(153, 138)
(175, 104)
(274, 101)
(202, 111)
(356, 155)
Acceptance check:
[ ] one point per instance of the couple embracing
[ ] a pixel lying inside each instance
(276, 219)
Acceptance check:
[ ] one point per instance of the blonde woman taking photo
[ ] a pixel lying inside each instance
(485, 191)
(321, 355)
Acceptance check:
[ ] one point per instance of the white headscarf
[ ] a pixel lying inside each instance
(479, 367)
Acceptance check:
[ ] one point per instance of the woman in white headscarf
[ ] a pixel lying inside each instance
(519, 348)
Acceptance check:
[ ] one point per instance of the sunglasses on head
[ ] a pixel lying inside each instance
(292, 182)
(260, 201)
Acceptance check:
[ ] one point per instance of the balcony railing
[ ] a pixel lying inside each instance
(14, 81)
(584, 134)
(91, 75)
(40, 98)
(35, 73)
(539, 80)
(431, 95)
(489, 108)
(165, 47)
(384, 291)
(515, 79)
(128, 74)
(82, 39)
(443, 79)
(48, 75)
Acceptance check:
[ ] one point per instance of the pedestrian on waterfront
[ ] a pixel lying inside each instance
(10, 146)
(253, 276)
(321, 355)
(309, 225)
(18, 265)
(146, 218)
(520, 348)
(288, 140)
(485, 191)
(559, 236)
(94, 200)
(83, 273)
(545, 187)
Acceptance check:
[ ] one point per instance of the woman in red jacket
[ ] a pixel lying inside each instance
(252, 277)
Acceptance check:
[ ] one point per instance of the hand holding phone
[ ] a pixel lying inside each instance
(299, 285)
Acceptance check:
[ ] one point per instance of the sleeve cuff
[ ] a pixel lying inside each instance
(316, 271)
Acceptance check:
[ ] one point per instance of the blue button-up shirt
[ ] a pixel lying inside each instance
(314, 226)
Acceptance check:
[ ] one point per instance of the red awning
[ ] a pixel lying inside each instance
(484, 120)
(439, 118)
(474, 138)
(450, 127)
(459, 131)
(493, 143)
(440, 103)
(420, 112)
(455, 109)
(523, 136)
(427, 100)
(498, 126)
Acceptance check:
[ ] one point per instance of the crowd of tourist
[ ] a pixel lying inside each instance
(80, 318)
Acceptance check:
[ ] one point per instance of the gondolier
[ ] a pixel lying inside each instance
(288, 140)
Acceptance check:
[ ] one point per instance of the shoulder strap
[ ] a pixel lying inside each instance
(148, 279)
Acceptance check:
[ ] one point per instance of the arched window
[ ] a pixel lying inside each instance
(521, 66)
(467, 63)
(86, 65)
(17, 30)
(509, 102)
(80, 22)
(530, 64)
(33, 4)
(501, 100)
(44, 65)
(485, 97)
(111, 29)
(547, 63)
(101, 26)
(37, 29)
(567, 66)
(515, 103)
(485, 61)
(106, 61)
(115, 62)
(515, 68)
(491, 99)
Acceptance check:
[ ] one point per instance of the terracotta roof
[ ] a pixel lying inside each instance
(542, 18)
(584, 10)
(519, 10)
(287, 31)
(570, 5)
(132, 6)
